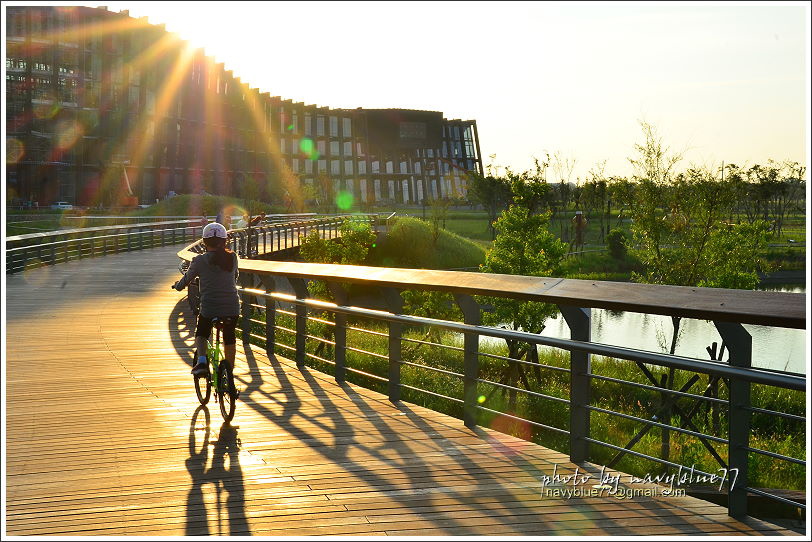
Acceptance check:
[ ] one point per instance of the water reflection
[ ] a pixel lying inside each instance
(773, 347)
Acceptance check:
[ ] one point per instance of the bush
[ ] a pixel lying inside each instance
(616, 241)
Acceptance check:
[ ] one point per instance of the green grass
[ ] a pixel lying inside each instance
(410, 242)
(768, 433)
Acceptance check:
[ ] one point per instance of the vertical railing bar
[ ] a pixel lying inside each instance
(579, 321)
(340, 331)
(472, 315)
(300, 288)
(270, 315)
(740, 345)
(394, 303)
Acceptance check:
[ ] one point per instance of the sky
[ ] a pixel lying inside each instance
(720, 82)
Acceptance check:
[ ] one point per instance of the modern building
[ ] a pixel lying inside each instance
(102, 107)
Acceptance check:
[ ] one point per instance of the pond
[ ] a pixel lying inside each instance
(773, 348)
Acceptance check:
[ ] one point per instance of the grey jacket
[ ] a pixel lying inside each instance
(218, 288)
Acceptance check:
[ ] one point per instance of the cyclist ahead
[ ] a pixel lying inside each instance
(218, 272)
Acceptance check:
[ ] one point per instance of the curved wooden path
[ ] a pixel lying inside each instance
(104, 436)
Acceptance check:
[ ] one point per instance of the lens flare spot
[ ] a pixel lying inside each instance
(15, 150)
(45, 110)
(308, 148)
(344, 200)
(290, 127)
(67, 134)
(513, 427)
(37, 272)
(374, 245)
(480, 399)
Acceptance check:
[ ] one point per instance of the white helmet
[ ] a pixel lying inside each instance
(215, 229)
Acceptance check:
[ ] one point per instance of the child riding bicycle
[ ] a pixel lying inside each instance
(218, 272)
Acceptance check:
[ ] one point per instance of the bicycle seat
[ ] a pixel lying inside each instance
(218, 322)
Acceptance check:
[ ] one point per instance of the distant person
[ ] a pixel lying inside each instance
(579, 222)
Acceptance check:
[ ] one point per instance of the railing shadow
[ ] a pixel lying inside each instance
(224, 473)
(394, 452)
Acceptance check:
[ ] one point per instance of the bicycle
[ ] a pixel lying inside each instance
(219, 376)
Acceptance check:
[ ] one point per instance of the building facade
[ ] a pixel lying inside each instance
(101, 106)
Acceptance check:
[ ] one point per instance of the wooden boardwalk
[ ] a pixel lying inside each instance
(104, 436)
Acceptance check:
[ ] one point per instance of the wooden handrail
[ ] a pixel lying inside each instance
(780, 309)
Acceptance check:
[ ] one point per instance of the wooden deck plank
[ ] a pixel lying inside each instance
(102, 437)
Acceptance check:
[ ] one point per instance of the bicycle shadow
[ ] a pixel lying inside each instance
(182, 325)
(224, 473)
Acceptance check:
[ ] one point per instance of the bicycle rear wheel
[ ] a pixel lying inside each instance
(226, 391)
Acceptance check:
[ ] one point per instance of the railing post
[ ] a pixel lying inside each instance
(340, 333)
(246, 281)
(270, 315)
(394, 303)
(472, 315)
(300, 288)
(740, 345)
(579, 321)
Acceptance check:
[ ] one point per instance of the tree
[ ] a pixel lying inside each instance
(680, 236)
(523, 246)
(493, 193)
(439, 214)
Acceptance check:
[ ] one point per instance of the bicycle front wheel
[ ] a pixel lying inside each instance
(227, 392)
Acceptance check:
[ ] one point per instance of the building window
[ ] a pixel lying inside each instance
(348, 167)
(15, 22)
(308, 129)
(335, 167)
(319, 125)
(404, 167)
(322, 166)
(333, 126)
(334, 148)
(347, 148)
(321, 147)
(362, 167)
(390, 167)
(308, 166)
(347, 128)
(376, 166)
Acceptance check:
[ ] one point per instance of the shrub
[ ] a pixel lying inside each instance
(616, 241)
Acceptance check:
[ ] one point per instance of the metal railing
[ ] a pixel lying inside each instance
(330, 334)
(34, 250)
(276, 234)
